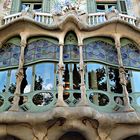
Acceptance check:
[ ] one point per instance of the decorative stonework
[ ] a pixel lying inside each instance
(113, 14)
(64, 10)
(138, 22)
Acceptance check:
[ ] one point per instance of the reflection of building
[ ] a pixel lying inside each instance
(73, 74)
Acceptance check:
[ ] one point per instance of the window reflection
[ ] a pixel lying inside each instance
(44, 76)
(12, 85)
(97, 77)
(114, 80)
(27, 80)
(136, 81)
(3, 77)
(76, 77)
(66, 77)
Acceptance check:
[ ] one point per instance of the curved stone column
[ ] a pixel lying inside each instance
(60, 101)
(19, 77)
(122, 75)
(82, 73)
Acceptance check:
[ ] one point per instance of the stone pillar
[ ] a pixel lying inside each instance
(83, 101)
(19, 78)
(60, 101)
(123, 80)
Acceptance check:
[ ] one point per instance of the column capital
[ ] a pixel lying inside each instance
(61, 44)
(23, 43)
(80, 45)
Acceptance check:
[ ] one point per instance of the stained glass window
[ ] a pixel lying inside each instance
(130, 55)
(9, 55)
(100, 50)
(71, 52)
(41, 49)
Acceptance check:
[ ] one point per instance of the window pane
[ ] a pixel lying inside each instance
(12, 86)
(136, 81)
(44, 77)
(37, 7)
(97, 77)
(66, 77)
(76, 77)
(100, 8)
(114, 80)
(3, 77)
(27, 80)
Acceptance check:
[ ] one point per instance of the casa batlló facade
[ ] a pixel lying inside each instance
(70, 70)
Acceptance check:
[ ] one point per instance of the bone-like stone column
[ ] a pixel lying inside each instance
(83, 101)
(19, 77)
(60, 100)
(123, 80)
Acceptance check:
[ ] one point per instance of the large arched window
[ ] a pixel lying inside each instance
(39, 83)
(9, 61)
(130, 52)
(71, 76)
(102, 72)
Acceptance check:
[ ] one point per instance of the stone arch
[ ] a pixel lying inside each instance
(71, 38)
(72, 135)
(9, 137)
(134, 137)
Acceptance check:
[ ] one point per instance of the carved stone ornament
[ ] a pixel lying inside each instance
(112, 14)
(137, 22)
(69, 9)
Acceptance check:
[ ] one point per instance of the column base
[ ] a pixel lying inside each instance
(83, 103)
(61, 103)
(15, 108)
(128, 109)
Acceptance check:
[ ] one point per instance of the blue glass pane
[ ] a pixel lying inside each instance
(136, 81)
(12, 85)
(131, 55)
(66, 52)
(41, 49)
(26, 83)
(71, 52)
(44, 76)
(9, 55)
(74, 52)
(99, 50)
(3, 77)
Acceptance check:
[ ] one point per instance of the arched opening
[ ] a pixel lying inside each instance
(71, 78)
(9, 137)
(135, 137)
(72, 136)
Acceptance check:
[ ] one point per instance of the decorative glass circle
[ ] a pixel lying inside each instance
(77, 96)
(23, 99)
(43, 98)
(99, 99)
(1, 100)
(119, 100)
(66, 95)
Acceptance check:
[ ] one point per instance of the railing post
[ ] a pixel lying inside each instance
(60, 100)
(19, 78)
(83, 101)
(122, 75)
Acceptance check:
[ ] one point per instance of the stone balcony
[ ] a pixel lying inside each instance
(91, 19)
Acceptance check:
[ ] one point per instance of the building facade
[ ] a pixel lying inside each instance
(70, 70)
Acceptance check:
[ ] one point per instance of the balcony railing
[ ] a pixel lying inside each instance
(93, 18)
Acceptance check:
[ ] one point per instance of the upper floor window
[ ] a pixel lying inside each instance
(27, 6)
(103, 7)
